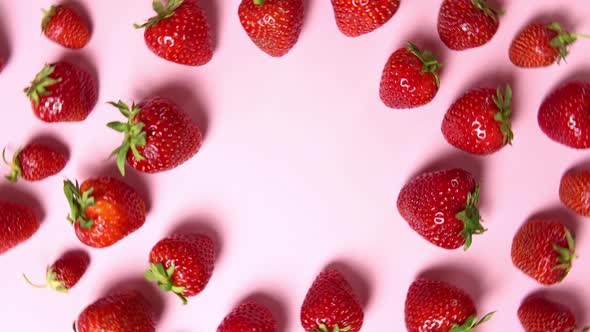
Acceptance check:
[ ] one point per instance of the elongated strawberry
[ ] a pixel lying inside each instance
(18, 223)
(539, 314)
(65, 272)
(63, 25)
(35, 162)
(358, 17)
(249, 316)
(464, 24)
(574, 191)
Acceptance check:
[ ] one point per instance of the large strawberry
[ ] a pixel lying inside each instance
(574, 191)
(331, 305)
(63, 25)
(479, 122)
(179, 32)
(182, 263)
(249, 316)
(62, 92)
(544, 250)
(538, 314)
(410, 78)
(104, 210)
(564, 116)
(65, 272)
(358, 17)
(18, 223)
(35, 162)
(464, 24)
(441, 206)
(436, 306)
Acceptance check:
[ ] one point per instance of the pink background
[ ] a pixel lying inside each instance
(301, 165)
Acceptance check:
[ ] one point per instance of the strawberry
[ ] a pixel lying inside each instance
(464, 24)
(104, 210)
(63, 25)
(479, 122)
(65, 272)
(544, 250)
(538, 314)
(18, 223)
(273, 25)
(182, 263)
(119, 312)
(62, 92)
(249, 316)
(410, 78)
(179, 32)
(359, 17)
(441, 206)
(159, 136)
(574, 191)
(35, 162)
(331, 305)
(436, 306)
(564, 116)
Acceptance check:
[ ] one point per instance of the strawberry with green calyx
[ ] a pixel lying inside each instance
(471, 323)
(40, 83)
(65, 272)
(63, 25)
(79, 202)
(34, 162)
(471, 218)
(164, 279)
(134, 134)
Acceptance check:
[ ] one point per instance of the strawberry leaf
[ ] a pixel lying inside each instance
(471, 218)
(47, 16)
(471, 323)
(40, 83)
(163, 277)
(79, 202)
(162, 11)
(15, 169)
(135, 136)
(503, 102)
(429, 62)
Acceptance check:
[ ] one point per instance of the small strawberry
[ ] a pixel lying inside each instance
(574, 191)
(410, 78)
(442, 207)
(564, 116)
(436, 306)
(65, 272)
(331, 305)
(159, 136)
(538, 314)
(464, 24)
(249, 316)
(104, 210)
(35, 162)
(479, 122)
(179, 32)
(63, 25)
(544, 250)
(18, 223)
(359, 17)
(119, 312)
(62, 92)
(182, 264)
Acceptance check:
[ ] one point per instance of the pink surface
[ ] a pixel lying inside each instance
(301, 165)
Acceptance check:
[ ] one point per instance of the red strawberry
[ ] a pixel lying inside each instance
(544, 250)
(65, 272)
(538, 314)
(159, 136)
(479, 122)
(17, 224)
(104, 210)
(331, 305)
(442, 207)
(182, 264)
(119, 312)
(564, 116)
(249, 316)
(179, 33)
(410, 78)
(273, 25)
(574, 191)
(436, 306)
(35, 162)
(63, 25)
(62, 92)
(358, 17)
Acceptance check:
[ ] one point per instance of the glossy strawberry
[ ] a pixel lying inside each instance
(35, 162)
(62, 92)
(182, 263)
(331, 305)
(119, 312)
(574, 191)
(410, 78)
(65, 272)
(179, 32)
(249, 316)
(18, 223)
(359, 17)
(479, 122)
(544, 250)
(436, 306)
(104, 210)
(564, 116)
(63, 25)
(538, 314)
(464, 24)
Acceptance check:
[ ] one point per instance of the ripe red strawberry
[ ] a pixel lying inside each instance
(574, 191)
(441, 206)
(17, 224)
(63, 25)
(358, 17)
(104, 210)
(479, 122)
(62, 92)
(410, 78)
(331, 305)
(179, 32)
(464, 24)
(65, 272)
(182, 263)
(538, 314)
(564, 116)
(249, 316)
(35, 162)
(119, 312)
(544, 250)
(436, 306)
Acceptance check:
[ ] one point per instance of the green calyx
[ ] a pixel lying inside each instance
(259, 2)
(585, 329)
(429, 62)
(566, 255)
(471, 218)
(490, 11)
(563, 40)
(15, 170)
(79, 202)
(47, 16)
(40, 83)
(163, 11)
(51, 281)
(504, 104)
(471, 323)
(134, 134)
(163, 277)
(336, 328)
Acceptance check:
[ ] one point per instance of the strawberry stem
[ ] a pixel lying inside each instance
(259, 2)
(471, 323)
(503, 102)
(563, 40)
(429, 62)
(488, 10)
(40, 83)
(134, 134)
(336, 328)
(15, 170)
(163, 277)
(32, 284)
(471, 218)
(79, 202)
(162, 11)
(47, 16)
(51, 281)
(566, 255)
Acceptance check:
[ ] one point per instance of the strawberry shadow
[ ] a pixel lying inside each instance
(211, 9)
(51, 140)
(569, 297)
(560, 16)
(582, 75)
(560, 213)
(200, 224)
(277, 306)
(358, 279)
(460, 276)
(13, 193)
(83, 11)
(5, 42)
